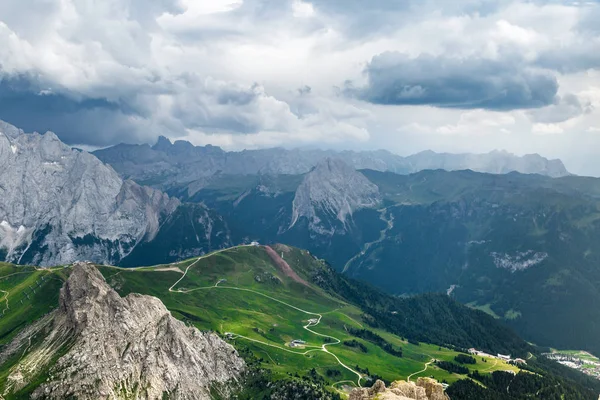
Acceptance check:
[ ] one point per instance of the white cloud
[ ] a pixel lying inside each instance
(302, 9)
(547, 129)
(470, 123)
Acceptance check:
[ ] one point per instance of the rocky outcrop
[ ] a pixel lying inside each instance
(332, 189)
(58, 205)
(424, 389)
(127, 347)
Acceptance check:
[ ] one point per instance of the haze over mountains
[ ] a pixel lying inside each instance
(167, 164)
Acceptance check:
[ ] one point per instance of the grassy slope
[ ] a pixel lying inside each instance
(255, 316)
(275, 324)
(27, 295)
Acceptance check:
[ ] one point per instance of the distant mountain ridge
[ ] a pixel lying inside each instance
(166, 165)
(494, 162)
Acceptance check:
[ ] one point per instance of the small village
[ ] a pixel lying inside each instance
(582, 361)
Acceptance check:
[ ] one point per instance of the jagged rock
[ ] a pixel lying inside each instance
(124, 347)
(424, 389)
(332, 188)
(433, 389)
(59, 205)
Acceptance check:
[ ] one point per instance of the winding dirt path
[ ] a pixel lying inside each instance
(202, 257)
(419, 372)
(307, 327)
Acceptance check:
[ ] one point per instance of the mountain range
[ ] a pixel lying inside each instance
(520, 247)
(169, 165)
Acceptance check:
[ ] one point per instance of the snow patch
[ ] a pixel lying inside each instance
(519, 262)
(13, 148)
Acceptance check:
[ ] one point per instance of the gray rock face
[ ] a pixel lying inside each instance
(424, 389)
(127, 347)
(58, 205)
(167, 165)
(332, 188)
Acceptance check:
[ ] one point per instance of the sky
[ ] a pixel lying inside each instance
(402, 75)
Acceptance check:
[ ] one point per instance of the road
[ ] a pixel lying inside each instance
(5, 299)
(307, 327)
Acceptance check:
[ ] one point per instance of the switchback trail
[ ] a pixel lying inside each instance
(322, 348)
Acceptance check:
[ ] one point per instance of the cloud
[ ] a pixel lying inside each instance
(397, 79)
(471, 123)
(566, 107)
(547, 129)
(121, 70)
(477, 74)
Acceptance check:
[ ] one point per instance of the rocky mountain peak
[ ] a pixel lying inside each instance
(333, 165)
(9, 130)
(162, 144)
(85, 287)
(332, 188)
(58, 205)
(123, 347)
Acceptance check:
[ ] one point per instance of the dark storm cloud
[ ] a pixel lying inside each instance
(26, 105)
(579, 57)
(396, 79)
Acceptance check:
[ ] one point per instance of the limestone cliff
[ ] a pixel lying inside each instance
(58, 204)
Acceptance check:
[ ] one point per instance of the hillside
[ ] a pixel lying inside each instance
(520, 247)
(288, 316)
